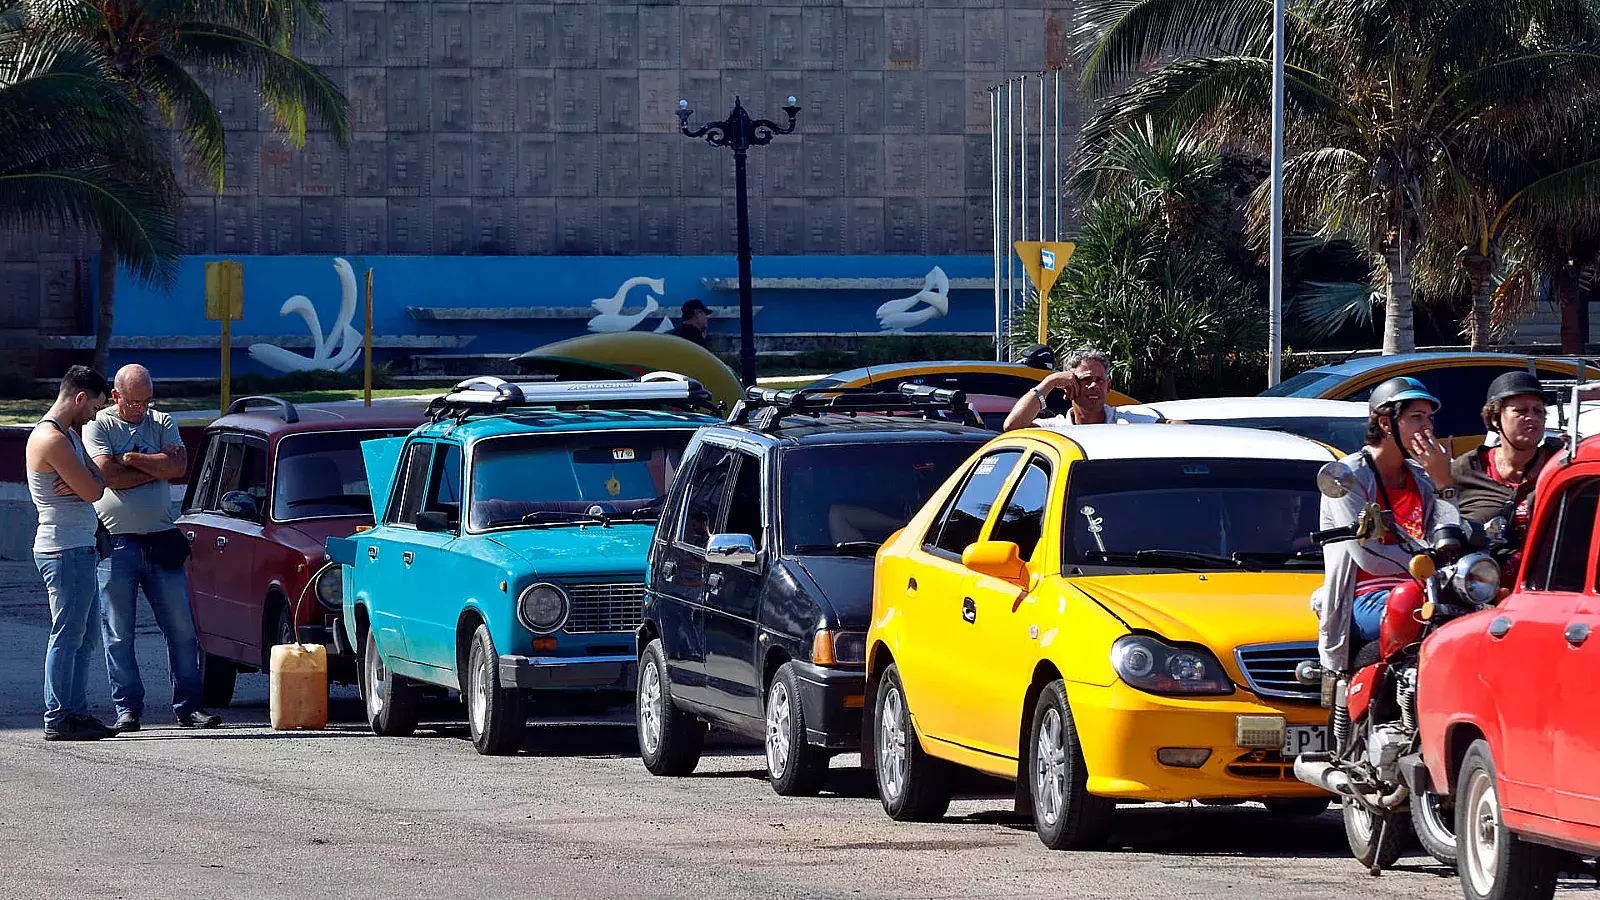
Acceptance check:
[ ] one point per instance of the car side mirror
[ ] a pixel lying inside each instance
(433, 521)
(1335, 480)
(731, 549)
(997, 559)
(239, 505)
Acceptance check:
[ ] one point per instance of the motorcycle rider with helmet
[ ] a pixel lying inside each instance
(1392, 470)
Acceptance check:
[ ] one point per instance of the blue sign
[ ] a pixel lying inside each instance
(1047, 258)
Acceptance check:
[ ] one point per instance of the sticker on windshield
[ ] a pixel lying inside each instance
(987, 465)
(622, 454)
(1196, 469)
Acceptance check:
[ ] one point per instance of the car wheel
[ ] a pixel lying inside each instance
(218, 677)
(391, 699)
(670, 739)
(1493, 862)
(1297, 806)
(495, 714)
(796, 765)
(1067, 816)
(1361, 831)
(1433, 818)
(278, 629)
(913, 786)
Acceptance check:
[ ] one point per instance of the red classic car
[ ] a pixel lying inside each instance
(270, 483)
(1505, 702)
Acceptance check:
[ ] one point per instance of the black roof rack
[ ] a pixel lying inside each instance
(488, 395)
(765, 408)
(285, 408)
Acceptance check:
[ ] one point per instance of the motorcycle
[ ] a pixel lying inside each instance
(1376, 760)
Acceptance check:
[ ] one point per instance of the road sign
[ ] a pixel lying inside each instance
(225, 303)
(1044, 261)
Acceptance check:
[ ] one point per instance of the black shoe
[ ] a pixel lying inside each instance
(125, 723)
(77, 728)
(198, 718)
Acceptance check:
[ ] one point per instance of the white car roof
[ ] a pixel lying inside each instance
(1186, 442)
(1253, 408)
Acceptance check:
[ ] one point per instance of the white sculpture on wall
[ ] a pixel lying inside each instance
(932, 302)
(610, 317)
(337, 350)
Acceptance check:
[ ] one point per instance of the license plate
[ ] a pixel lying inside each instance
(1298, 739)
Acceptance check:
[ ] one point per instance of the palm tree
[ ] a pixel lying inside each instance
(1390, 103)
(62, 116)
(160, 49)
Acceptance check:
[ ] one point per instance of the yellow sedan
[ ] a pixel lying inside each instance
(1102, 613)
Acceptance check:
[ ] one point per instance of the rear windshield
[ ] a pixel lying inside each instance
(544, 478)
(1306, 384)
(846, 498)
(1230, 511)
(321, 475)
(1340, 432)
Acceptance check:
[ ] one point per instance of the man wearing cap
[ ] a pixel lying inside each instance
(1076, 395)
(1392, 471)
(1499, 480)
(696, 319)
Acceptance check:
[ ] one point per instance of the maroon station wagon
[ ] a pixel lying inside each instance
(270, 483)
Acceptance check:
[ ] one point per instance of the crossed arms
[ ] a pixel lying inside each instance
(129, 470)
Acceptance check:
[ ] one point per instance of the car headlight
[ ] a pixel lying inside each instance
(542, 607)
(1151, 665)
(330, 587)
(1477, 578)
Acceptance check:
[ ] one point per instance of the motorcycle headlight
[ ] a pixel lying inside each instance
(1150, 665)
(330, 587)
(542, 608)
(1477, 578)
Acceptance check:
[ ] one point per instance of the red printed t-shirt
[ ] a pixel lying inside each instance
(1407, 509)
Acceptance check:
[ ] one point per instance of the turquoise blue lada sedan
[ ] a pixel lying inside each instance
(509, 553)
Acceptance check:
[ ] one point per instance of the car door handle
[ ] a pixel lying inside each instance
(222, 542)
(714, 581)
(406, 557)
(1577, 633)
(372, 552)
(669, 569)
(1499, 627)
(969, 610)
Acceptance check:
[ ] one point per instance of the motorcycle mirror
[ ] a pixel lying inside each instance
(1495, 528)
(1422, 567)
(1335, 480)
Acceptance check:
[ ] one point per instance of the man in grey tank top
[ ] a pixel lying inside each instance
(139, 452)
(64, 485)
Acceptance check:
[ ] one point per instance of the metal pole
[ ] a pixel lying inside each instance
(366, 371)
(747, 327)
(1059, 186)
(1022, 144)
(1275, 253)
(994, 196)
(1042, 233)
(1011, 213)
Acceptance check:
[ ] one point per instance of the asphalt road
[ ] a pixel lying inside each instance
(243, 812)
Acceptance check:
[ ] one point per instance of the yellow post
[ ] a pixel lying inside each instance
(225, 303)
(227, 362)
(367, 344)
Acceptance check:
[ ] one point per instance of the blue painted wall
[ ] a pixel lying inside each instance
(557, 281)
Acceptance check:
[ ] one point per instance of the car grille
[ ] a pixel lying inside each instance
(603, 608)
(1269, 670)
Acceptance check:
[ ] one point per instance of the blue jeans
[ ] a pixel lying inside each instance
(74, 613)
(1368, 613)
(122, 575)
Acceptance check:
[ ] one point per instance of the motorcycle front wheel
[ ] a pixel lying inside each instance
(1433, 818)
(1361, 829)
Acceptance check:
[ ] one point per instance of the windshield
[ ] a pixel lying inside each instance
(321, 474)
(1306, 384)
(538, 479)
(849, 498)
(1340, 432)
(1231, 513)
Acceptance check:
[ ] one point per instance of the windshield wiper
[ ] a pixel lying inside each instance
(841, 548)
(1171, 556)
(1304, 554)
(546, 519)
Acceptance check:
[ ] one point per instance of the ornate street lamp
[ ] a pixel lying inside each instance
(741, 132)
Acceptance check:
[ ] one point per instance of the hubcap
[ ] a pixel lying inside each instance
(892, 745)
(650, 706)
(1050, 768)
(1362, 823)
(1483, 833)
(374, 670)
(778, 729)
(285, 629)
(1436, 817)
(478, 690)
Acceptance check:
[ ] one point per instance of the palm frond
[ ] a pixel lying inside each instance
(1324, 308)
(200, 126)
(140, 225)
(294, 90)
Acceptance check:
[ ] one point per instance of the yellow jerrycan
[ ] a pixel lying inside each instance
(299, 698)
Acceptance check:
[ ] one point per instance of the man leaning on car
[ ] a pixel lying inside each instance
(139, 452)
(1077, 393)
